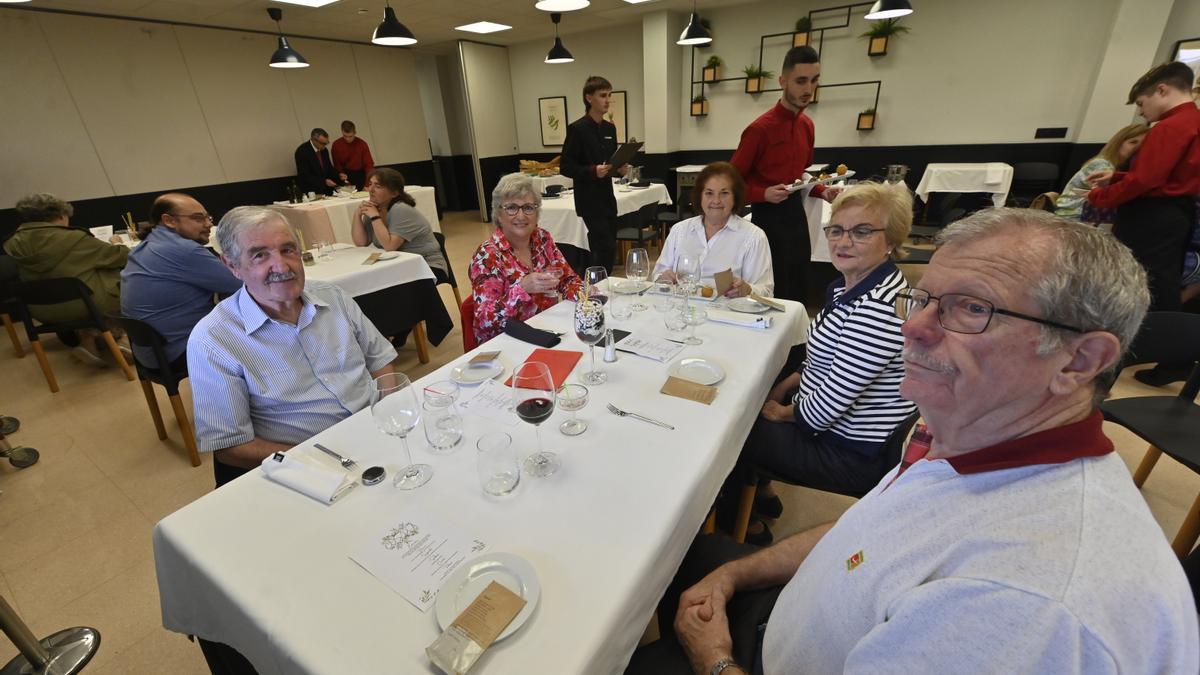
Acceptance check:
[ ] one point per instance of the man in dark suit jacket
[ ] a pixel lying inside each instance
(591, 141)
(314, 166)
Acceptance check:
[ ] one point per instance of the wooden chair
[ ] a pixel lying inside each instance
(1170, 424)
(466, 315)
(142, 334)
(55, 292)
(641, 226)
(8, 302)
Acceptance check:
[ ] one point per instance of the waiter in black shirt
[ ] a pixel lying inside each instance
(591, 141)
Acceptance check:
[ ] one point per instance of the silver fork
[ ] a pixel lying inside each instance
(346, 462)
(623, 413)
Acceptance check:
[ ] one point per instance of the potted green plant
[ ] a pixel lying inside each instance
(712, 69)
(801, 37)
(879, 33)
(866, 120)
(699, 106)
(756, 78)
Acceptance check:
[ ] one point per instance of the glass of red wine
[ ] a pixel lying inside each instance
(533, 399)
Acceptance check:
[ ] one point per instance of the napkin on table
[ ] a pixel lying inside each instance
(323, 484)
(739, 319)
(526, 333)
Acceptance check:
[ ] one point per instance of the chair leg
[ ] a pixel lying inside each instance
(457, 296)
(12, 335)
(422, 342)
(118, 356)
(49, 374)
(710, 523)
(745, 503)
(1185, 539)
(185, 428)
(155, 414)
(1146, 465)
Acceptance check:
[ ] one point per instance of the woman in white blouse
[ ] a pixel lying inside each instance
(722, 239)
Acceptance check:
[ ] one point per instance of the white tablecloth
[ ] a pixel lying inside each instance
(559, 219)
(993, 177)
(818, 212)
(540, 182)
(264, 569)
(331, 217)
(345, 269)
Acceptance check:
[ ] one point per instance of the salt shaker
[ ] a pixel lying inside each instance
(610, 347)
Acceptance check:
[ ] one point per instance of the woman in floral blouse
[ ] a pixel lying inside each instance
(518, 271)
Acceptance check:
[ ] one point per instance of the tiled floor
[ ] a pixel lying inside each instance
(75, 529)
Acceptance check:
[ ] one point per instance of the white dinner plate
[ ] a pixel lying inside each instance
(698, 370)
(468, 581)
(747, 306)
(630, 286)
(389, 255)
(472, 375)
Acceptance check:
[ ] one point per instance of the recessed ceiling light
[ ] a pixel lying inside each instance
(309, 3)
(637, 2)
(483, 27)
(561, 5)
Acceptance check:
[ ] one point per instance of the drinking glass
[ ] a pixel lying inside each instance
(693, 316)
(590, 328)
(592, 279)
(396, 412)
(555, 272)
(573, 397)
(533, 400)
(664, 297)
(687, 272)
(443, 424)
(637, 268)
(324, 250)
(496, 462)
(674, 320)
(621, 306)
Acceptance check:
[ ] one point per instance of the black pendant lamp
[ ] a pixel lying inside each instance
(889, 9)
(558, 53)
(284, 56)
(695, 33)
(390, 32)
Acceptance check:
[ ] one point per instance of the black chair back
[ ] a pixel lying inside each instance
(441, 240)
(1168, 337)
(893, 447)
(56, 292)
(142, 334)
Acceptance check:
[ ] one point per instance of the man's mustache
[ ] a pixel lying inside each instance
(922, 359)
(275, 277)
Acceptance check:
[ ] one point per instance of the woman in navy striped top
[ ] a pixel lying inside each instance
(825, 426)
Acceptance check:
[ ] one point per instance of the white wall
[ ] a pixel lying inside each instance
(969, 72)
(489, 93)
(101, 107)
(432, 108)
(454, 103)
(613, 53)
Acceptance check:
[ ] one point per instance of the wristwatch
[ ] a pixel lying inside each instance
(721, 665)
(376, 218)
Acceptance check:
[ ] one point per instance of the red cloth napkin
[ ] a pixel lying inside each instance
(560, 362)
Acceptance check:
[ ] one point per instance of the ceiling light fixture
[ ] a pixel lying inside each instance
(309, 3)
(695, 33)
(390, 32)
(560, 5)
(889, 9)
(284, 56)
(483, 27)
(558, 53)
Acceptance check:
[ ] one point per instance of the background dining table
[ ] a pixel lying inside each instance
(329, 219)
(267, 570)
(558, 213)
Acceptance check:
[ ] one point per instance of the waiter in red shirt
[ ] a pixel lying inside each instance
(774, 151)
(352, 156)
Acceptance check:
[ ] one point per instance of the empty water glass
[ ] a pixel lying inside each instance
(664, 297)
(324, 250)
(621, 306)
(496, 462)
(443, 427)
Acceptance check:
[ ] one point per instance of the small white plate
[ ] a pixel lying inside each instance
(389, 255)
(630, 286)
(472, 375)
(747, 306)
(698, 370)
(468, 581)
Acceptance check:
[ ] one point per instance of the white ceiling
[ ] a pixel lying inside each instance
(432, 21)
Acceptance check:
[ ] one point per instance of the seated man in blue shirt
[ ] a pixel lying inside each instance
(278, 361)
(170, 279)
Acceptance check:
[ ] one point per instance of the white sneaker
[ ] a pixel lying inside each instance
(88, 357)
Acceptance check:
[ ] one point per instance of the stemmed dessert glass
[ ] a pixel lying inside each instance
(533, 400)
(396, 411)
(573, 398)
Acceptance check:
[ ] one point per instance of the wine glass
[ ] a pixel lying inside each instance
(555, 272)
(395, 409)
(693, 316)
(592, 277)
(637, 268)
(687, 271)
(590, 329)
(573, 397)
(533, 399)
(324, 250)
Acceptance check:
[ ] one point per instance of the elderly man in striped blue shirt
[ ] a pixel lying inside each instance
(279, 361)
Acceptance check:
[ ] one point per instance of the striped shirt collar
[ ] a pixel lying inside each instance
(865, 286)
(253, 316)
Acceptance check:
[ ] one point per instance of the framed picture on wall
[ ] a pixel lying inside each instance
(553, 119)
(616, 114)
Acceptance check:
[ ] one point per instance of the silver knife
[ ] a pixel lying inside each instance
(651, 421)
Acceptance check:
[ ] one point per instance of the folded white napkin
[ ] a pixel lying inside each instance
(739, 319)
(323, 484)
(993, 174)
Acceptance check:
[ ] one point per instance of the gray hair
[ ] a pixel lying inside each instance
(42, 207)
(510, 186)
(1085, 277)
(242, 219)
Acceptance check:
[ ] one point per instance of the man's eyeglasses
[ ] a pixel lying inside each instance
(198, 217)
(527, 209)
(963, 313)
(860, 233)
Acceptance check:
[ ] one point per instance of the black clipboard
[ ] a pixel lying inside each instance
(624, 154)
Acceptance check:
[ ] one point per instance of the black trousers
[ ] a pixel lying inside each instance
(224, 472)
(225, 660)
(357, 176)
(786, 226)
(1157, 230)
(602, 240)
(785, 450)
(747, 611)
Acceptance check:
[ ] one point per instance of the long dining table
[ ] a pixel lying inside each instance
(267, 570)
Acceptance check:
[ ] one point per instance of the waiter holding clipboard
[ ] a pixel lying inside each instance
(591, 142)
